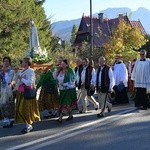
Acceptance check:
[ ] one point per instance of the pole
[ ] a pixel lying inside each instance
(91, 34)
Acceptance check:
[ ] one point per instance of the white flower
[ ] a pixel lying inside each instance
(38, 55)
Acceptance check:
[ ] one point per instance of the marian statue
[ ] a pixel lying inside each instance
(34, 40)
(35, 51)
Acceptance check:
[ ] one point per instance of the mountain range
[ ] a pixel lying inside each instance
(63, 28)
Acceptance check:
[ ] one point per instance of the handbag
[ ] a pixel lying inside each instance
(21, 88)
(29, 93)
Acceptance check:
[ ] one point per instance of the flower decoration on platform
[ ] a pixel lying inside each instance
(38, 55)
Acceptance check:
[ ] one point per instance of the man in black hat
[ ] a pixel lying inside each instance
(88, 85)
(104, 84)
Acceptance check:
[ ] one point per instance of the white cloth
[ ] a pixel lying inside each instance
(111, 77)
(60, 79)
(28, 77)
(77, 75)
(120, 74)
(67, 85)
(141, 74)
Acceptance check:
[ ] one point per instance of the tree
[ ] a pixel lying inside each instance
(15, 16)
(125, 40)
(147, 46)
(73, 33)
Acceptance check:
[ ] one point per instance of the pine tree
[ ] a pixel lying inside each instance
(15, 16)
(73, 33)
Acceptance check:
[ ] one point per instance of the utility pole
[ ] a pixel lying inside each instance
(91, 34)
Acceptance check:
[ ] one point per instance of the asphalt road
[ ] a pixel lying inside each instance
(125, 128)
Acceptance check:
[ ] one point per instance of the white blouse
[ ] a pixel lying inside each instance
(28, 77)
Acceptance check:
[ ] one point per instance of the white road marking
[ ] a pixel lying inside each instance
(71, 132)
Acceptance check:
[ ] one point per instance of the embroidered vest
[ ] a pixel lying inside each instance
(88, 76)
(105, 81)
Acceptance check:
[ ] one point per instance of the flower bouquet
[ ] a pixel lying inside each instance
(40, 58)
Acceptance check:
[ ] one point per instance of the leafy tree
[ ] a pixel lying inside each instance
(55, 43)
(125, 40)
(63, 52)
(146, 46)
(73, 33)
(15, 16)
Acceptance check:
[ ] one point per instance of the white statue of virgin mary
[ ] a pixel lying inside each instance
(35, 52)
(34, 39)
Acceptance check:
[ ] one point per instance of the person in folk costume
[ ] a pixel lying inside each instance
(67, 97)
(27, 110)
(87, 83)
(48, 99)
(78, 71)
(7, 105)
(104, 84)
(121, 81)
(141, 78)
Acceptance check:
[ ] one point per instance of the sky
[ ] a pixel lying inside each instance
(73, 9)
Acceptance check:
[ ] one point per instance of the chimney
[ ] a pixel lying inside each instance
(100, 17)
(120, 16)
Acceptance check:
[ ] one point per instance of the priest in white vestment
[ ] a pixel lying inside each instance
(121, 80)
(141, 78)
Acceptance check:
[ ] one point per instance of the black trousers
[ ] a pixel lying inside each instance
(141, 98)
(121, 96)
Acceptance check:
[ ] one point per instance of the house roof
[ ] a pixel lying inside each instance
(102, 30)
(138, 24)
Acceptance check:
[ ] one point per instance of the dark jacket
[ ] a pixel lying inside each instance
(105, 81)
(88, 76)
(79, 74)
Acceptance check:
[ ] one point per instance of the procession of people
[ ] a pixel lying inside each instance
(64, 89)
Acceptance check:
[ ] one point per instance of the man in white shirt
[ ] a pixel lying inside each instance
(121, 80)
(88, 84)
(104, 85)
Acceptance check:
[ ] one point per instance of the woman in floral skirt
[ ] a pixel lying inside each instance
(67, 98)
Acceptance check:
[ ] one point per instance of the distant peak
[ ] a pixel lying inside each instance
(142, 9)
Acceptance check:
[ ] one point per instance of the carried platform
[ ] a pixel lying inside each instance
(42, 66)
